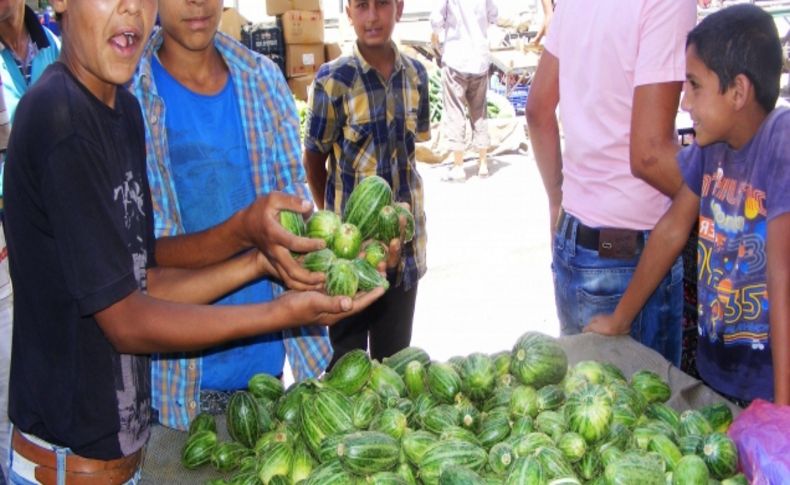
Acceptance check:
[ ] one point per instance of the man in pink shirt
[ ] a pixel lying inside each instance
(615, 68)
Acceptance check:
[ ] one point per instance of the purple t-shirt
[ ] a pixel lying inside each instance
(740, 191)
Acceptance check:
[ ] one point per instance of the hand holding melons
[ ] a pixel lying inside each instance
(321, 309)
(262, 228)
(361, 244)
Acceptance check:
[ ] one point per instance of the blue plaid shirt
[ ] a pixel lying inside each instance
(369, 126)
(271, 127)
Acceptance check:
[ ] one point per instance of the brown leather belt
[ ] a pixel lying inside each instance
(79, 470)
(609, 242)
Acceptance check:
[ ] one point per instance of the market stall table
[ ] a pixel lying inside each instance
(163, 456)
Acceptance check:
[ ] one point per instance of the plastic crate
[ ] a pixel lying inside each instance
(518, 98)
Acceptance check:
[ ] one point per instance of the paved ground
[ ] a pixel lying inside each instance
(489, 276)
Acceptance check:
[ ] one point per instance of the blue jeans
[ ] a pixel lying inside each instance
(586, 284)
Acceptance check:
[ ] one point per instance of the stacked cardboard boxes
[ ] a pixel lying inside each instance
(302, 25)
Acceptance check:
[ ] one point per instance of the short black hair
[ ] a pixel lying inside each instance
(741, 39)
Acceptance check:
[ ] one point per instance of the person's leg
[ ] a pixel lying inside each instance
(350, 333)
(454, 119)
(390, 330)
(476, 90)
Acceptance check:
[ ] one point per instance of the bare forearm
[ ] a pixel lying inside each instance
(161, 326)
(202, 248)
(315, 168)
(204, 285)
(654, 145)
(779, 295)
(664, 245)
(545, 137)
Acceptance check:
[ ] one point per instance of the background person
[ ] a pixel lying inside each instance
(618, 98)
(222, 133)
(462, 25)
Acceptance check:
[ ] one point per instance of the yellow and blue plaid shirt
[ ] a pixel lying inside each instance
(271, 127)
(368, 126)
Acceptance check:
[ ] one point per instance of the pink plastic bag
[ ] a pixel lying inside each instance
(762, 435)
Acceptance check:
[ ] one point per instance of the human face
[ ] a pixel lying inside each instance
(374, 20)
(710, 109)
(190, 24)
(103, 41)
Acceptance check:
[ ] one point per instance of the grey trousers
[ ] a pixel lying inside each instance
(464, 97)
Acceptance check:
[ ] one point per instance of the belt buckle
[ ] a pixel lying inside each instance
(617, 243)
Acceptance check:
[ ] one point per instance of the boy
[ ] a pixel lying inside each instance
(736, 180)
(89, 303)
(221, 130)
(367, 111)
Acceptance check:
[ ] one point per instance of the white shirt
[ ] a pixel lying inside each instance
(463, 25)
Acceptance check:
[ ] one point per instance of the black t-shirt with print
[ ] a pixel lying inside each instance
(80, 236)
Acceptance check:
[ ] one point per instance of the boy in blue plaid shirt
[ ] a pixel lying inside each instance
(367, 110)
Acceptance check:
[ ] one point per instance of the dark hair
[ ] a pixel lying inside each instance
(741, 39)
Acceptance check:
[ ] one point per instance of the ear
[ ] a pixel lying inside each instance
(741, 91)
(399, 7)
(348, 12)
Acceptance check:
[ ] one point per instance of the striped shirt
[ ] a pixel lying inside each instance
(368, 126)
(271, 128)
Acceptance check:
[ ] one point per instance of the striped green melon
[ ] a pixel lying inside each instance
(319, 261)
(415, 443)
(287, 407)
(293, 222)
(589, 466)
(537, 360)
(501, 362)
(494, 427)
(738, 479)
(691, 444)
(350, 373)
(554, 463)
(522, 426)
(443, 382)
(227, 455)
(549, 397)
(368, 276)
(326, 413)
(405, 471)
(266, 386)
(438, 418)
(662, 412)
(242, 418)
(719, 415)
(477, 376)
(693, 422)
(388, 224)
(386, 382)
(203, 421)
(630, 469)
(198, 448)
(322, 225)
(720, 454)
(303, 462)
(385, 478)
(409, 229)
(459, 475)
(365, 202)
(347, 241)
(447, 453)
(275, 460)
(531, 442)
(327, 451)
(400, 359)
(331, 473)
(651, 386)
(668, 450)
(415, 377)
(526, 470)
(375, 252)
(366, 406)
(365, 452)
(500, 457)
(391, 421)
(523, 401)
(589, 412)
(459, 433)
(341, 279)
(572, 446)
(690, 470)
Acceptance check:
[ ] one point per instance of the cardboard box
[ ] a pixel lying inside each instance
(279, 7)
(332, 51)
(300, 85)
(302, 27)
(232, 22)
(302, 59)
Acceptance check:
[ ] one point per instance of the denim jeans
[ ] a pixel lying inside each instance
(586, 284)
(21, 471)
